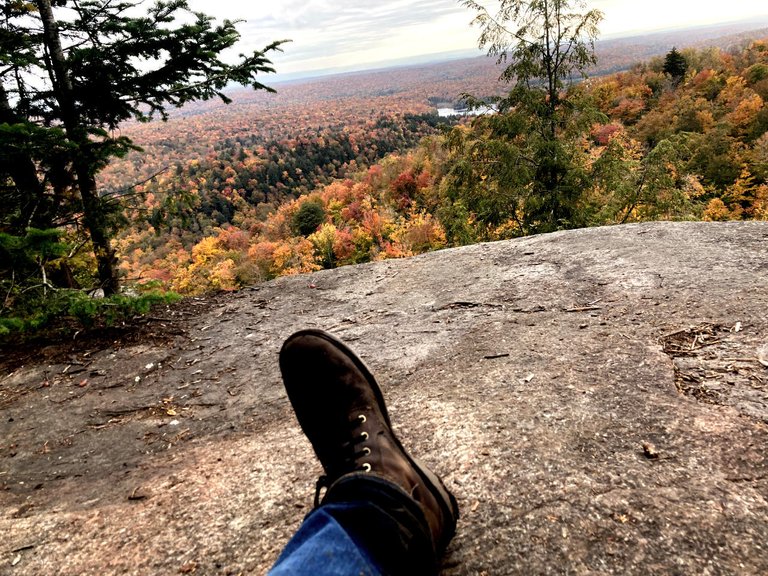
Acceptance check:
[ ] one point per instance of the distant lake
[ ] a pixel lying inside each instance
(445, 112)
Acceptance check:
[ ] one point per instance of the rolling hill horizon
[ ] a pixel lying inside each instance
(686, 36)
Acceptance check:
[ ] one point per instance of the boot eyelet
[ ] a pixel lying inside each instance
(364, 435)
(362, 418)
(366, 467)
(366, 450)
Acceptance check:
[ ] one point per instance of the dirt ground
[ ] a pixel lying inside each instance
(597, 400)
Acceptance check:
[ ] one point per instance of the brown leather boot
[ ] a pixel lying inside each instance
(341, 410)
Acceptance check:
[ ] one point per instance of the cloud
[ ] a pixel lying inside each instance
(622, 16)
(327, 34)
(330, 33)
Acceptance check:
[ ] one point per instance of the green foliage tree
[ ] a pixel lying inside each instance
(71, 72)
(544, 45)
(675, 65)
(634, 184)
(308, 218)
(756, 73)
(30, 254)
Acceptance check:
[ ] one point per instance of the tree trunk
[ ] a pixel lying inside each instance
(94, 218)
(95, 222)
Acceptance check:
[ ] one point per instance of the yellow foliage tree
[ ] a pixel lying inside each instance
(745, 199)
(419, 233)
(323, 242)
(716, 211)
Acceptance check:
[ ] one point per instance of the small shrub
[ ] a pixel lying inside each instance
(63, 312)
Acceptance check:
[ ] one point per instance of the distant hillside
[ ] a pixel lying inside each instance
(621, 53)
(346, 99)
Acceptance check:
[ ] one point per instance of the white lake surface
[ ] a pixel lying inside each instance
(445, 112)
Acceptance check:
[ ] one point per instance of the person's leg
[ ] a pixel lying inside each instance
(397, 515)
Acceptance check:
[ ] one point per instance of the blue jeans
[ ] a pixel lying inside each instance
(364, 527)
(322, 547)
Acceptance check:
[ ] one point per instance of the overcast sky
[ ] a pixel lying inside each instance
(350, 33)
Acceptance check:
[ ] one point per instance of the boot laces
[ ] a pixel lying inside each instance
(351, 452)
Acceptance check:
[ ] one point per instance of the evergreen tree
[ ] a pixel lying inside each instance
(308, 218)
(544, 45)
(72, 72)
(675, 65)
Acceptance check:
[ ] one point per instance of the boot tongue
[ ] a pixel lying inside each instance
(346, 447)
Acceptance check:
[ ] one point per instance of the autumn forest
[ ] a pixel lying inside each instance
(343, 171)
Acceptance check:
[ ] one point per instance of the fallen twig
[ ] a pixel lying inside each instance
(534, 310)
(25, 547)
(465, 304)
